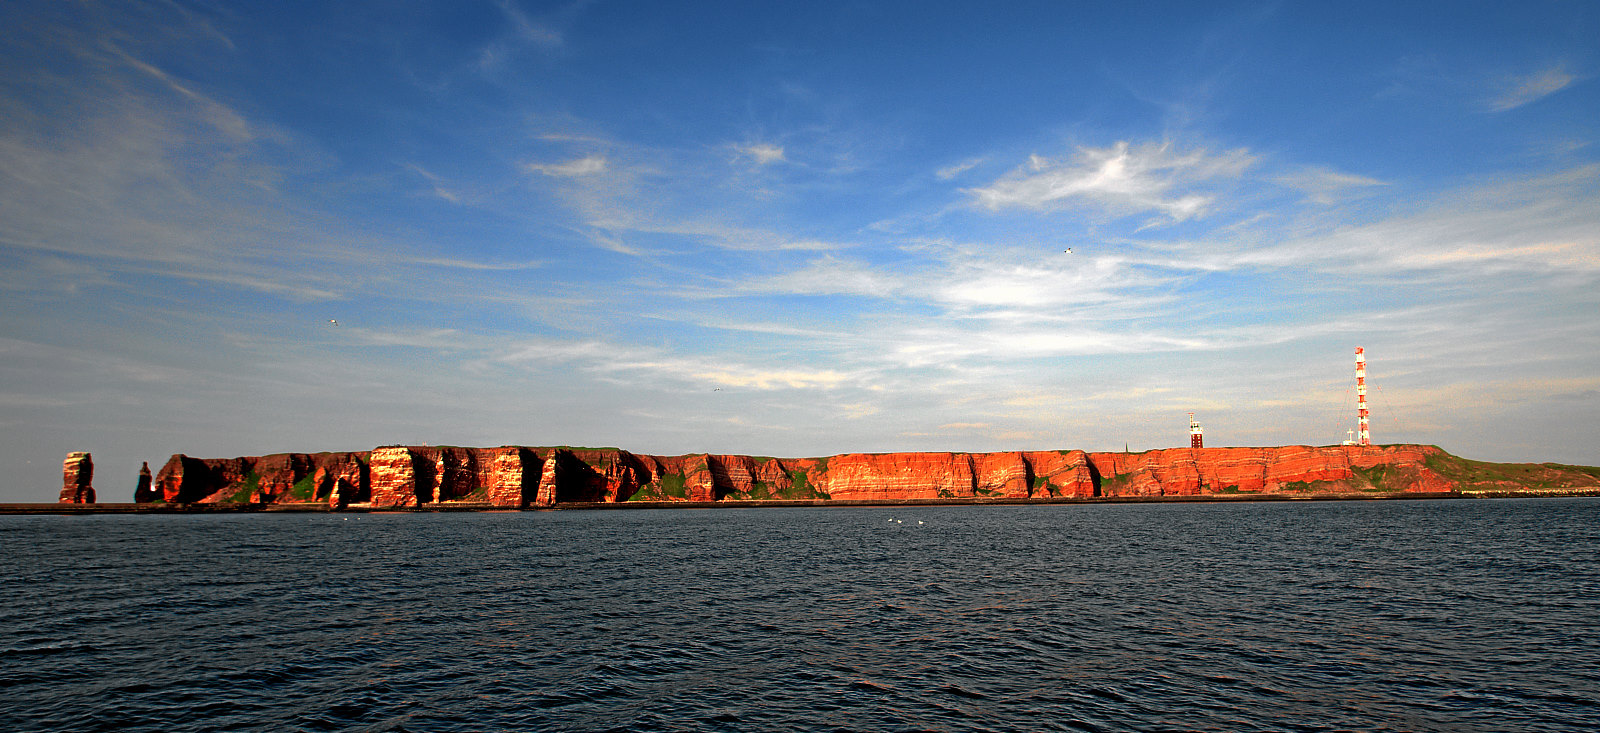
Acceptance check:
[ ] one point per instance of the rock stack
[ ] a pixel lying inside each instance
(145, 493)
(77, 479)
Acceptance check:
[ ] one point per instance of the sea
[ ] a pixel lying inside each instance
(1448, 615)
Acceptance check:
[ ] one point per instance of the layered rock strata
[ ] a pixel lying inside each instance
(516, 477)
(77, 479)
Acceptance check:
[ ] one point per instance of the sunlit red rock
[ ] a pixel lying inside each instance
(1060, 474)
(897, 476)
(511, 471)
(519, 477)
(392, 471)
(549, 476)
(77, 479)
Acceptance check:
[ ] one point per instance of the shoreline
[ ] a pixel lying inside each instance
(320, 507)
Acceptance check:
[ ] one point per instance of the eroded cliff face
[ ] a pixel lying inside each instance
(517, 477)
(1286, 469)
(278, 478)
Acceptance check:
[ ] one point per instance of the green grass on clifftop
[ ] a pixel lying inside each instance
(1485, 476)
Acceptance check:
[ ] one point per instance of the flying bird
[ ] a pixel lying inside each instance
(1067, 250)
(334, 321)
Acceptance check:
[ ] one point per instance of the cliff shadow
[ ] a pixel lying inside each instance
(425, 475)
(642, 475)
(577, 481)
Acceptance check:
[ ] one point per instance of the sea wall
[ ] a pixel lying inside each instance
(516, 477)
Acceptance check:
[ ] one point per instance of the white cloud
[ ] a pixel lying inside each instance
(1012, 281)
(525, 29)
(662, 192)
(615, 244)
(1121, 180)
(951, 171)
(585, 166)
(439, 189)
(1547, 224)
(461, 264)
(639, 363)
(859, 410)
(611, 217)
(773, 379)
(1325, 185)
(1522, 90)
(826, 275)
(764, 153)
(438, 339)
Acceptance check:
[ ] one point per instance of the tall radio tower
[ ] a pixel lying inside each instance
(1195, 440)
(1361, 396)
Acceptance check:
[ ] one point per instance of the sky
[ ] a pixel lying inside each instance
(792, 228)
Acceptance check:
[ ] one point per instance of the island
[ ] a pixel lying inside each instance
(411, 477)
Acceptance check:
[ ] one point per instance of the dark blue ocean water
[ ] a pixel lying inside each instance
(1434, 615)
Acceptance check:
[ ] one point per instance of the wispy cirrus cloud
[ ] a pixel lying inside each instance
(951, 171)
(613, 221)
(161, 180)
(1120, 180)
(521, 31)
(588, 165)
(763, 153)
(461, 264)
(1534, 224)
(524, 28)
(438, 339)
(1518, 91)
(826, 275)
(636, 192)
(633, 363)
(439, 188)
(1324, 185)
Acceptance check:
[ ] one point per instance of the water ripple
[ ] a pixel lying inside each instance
(1462, 615)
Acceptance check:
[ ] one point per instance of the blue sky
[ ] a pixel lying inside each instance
(792, 228)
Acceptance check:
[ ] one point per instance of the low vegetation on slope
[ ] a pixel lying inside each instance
(1483, 476)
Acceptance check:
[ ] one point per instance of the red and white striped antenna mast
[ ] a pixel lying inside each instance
(1361, 396)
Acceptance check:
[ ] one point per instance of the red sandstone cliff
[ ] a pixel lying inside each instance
(1287, 469)
(518, 476)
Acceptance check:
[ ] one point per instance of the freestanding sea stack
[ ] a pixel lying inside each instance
(143, 493)
(77, 479)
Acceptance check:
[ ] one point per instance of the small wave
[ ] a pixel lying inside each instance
(960, 691)
(867, 686)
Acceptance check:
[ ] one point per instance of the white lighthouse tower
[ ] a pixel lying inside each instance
(1195, 438)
